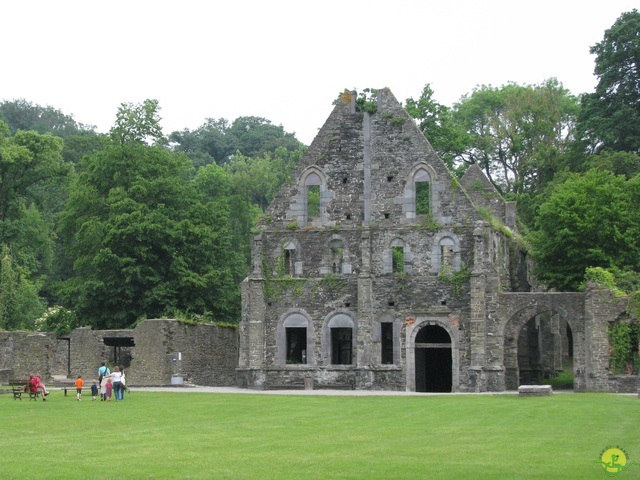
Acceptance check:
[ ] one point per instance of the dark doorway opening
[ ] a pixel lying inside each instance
(433, 360)
(121, 350)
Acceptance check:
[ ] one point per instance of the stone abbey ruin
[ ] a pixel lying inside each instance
(374, 268)
(377, 269)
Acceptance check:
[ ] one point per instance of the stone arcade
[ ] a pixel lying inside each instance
(376, 269)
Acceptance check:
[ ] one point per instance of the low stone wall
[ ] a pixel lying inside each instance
(153, 353)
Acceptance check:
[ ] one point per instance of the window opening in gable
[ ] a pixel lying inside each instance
(386, 343)
(446, 256)
(296, 345)
(313, 201)
(341, 346)
(397, 259)
(423, 192)
(337, 254)
(289, 261)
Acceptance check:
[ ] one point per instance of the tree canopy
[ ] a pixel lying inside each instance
(610, 116)
(589, 220)
(144, 241)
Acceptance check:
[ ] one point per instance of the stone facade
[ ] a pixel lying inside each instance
(154, 353)
(374, 268)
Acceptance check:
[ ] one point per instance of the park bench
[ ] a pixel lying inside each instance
(20, 387)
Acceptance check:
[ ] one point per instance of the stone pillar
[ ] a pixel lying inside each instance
(477, 324)
(366, 196)
(601, 308)
(364, 319)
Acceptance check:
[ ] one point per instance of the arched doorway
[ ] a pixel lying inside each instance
(539, 350)
(433, 360)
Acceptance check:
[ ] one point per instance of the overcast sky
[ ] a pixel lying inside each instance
(286, 60)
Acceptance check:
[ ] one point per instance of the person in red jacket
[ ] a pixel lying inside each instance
(36, 386)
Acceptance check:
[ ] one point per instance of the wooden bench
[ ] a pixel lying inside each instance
(21, 387)
(534, 390)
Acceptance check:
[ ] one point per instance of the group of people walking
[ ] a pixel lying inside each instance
(111, 381)
(108, 382)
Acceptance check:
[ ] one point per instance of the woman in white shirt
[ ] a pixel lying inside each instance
(116, 380)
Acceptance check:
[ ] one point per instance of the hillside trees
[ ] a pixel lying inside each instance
(31, 167)
(216, 140)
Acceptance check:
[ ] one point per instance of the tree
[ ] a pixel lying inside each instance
(138, 123)
(144, 241)
(205, 145)
(518, 134)
(19, 301)
(610, 117)
(33, 180)
(589, 220)
(217, 140)
(436, 122)
(24, 115)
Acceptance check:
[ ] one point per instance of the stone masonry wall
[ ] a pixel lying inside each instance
(208, 354)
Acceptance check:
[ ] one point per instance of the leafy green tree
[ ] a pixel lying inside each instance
(256, 136)
(138, 123)
(205, 145)
(24, 115)
(435, 120)
(19, 301)
(618, 163)
(217, 140)
(33, 178)
(82, 144)
(144, 241)
(518, 134)
(589, 220)
(610, 117)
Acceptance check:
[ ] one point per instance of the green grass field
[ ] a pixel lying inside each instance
(219, 436)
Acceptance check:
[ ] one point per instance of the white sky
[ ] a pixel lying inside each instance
(286, 60)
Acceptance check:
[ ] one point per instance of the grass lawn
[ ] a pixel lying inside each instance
(218, 436)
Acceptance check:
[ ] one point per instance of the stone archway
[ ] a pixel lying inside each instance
(522, 311)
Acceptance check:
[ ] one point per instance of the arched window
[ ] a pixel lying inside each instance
(289, 259)
(445, 254)
(422, 192)
(397, 258)
(312, 184)
(337, 255)
(294, 339)
(295, 327)
(420, 196)
(341, 334)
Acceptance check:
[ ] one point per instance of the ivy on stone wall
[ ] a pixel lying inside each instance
(623, 342)
(457, 279)
(275, 284)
